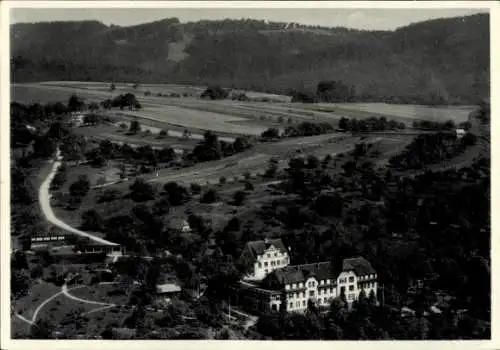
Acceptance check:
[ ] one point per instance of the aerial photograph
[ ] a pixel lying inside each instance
(250, 174)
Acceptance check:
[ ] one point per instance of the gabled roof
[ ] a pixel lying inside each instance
(168, 288)
(300, 273)
(359, 265)
(259, 247)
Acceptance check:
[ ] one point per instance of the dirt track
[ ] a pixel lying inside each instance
(44, 200)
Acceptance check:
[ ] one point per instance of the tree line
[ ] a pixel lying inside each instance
(369, 124)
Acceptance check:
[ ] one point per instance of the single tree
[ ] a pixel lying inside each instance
(80, 188)
(141, 191)
(135, 127)
(92, 220)
(209, 196)
(239, 198)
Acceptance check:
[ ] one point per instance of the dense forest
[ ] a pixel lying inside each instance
(437, 61)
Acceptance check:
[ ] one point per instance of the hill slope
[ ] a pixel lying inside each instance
(447, 58)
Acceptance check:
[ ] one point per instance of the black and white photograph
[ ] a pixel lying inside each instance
(251, 173)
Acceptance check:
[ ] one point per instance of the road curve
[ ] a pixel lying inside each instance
(44, 200)
(65, 290)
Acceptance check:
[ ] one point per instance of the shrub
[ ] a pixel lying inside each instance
(92, 220)
(239, 198)
(249, 186)
(109, 195)
(271, 133)
(135, 127)
(209, 197)
(176, 194)
(195, 188)
(80, 188)
(163, 133)
(222, 180)
(141, 191)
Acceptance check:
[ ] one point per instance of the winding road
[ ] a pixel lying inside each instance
(44, 200)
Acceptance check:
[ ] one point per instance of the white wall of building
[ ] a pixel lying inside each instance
(269, 261)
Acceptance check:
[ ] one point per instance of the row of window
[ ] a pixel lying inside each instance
(367, 276)
(322, 291)
(367, 284)
(344, 280)
(303, 303)
(273, 263)
(268, 255)
(297, 304)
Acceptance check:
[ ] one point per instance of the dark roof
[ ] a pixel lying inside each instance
(300, 273)
(175, 223)
(258, 247)
(359, 265)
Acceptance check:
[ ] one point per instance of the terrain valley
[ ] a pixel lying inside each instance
(187, 180)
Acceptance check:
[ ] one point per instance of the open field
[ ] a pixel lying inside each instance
(255, 161)
(115, 134)
(226, 117)
(456, 113)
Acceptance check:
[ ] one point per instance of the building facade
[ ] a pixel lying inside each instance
(263, 257)
(292, 288)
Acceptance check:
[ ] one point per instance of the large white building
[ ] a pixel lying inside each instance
(293, 287)
(264, 257)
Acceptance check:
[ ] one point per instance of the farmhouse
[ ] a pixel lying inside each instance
(292, 288)
(168, 290)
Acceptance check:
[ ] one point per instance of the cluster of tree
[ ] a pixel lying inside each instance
(143, 154)
(304, 97)
(213, 149)
(420, 214)
(75, 104)
(73, 148)
(298, 130)
(60, 177)
(429, 149)
(448, 125)
(122, 101)
(27, 120)
(307, 129)
(335, 91)
(365, 321)
(240, 97)
(215, 93)
(78, 190)
(369, 124)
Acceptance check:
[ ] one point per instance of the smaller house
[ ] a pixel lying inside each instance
(167, 288)
(124, 333)
(178, 224)
(459, 133)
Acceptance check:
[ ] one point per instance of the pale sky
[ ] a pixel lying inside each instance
(371, 19)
